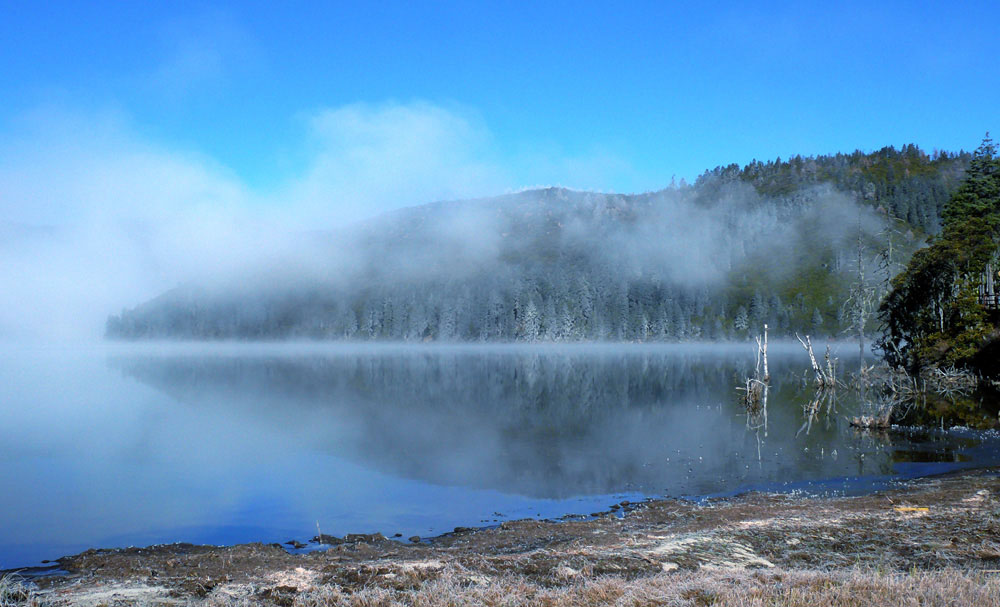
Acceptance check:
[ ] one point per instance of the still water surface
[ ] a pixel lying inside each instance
(118, 445)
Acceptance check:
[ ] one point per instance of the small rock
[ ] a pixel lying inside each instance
(327, 539)
(414, 538)
(368, 538)
(295, 544)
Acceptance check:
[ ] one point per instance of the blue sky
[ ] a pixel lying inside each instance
(588, 95)
(166, 143)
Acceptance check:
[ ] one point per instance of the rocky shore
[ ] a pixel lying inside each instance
(929, 541)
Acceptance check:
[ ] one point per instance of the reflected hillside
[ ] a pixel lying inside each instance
(539, 422)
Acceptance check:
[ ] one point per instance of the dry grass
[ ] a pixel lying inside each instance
(930, 543)
(13, 591)
(852, 588)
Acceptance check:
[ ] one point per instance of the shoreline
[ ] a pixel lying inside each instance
(824, 488)
(926, 525)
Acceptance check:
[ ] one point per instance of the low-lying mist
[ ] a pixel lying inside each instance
(99, 221)
(549, 264)
(95, 216)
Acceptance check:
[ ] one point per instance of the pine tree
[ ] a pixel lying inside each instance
(742, 321)
(933, 315)
(530, 322)
(979, 194)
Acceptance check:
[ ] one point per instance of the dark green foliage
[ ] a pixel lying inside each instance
(977, 197)
(908, 184)
(933, 314)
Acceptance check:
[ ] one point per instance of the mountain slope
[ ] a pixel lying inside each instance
(776, 243)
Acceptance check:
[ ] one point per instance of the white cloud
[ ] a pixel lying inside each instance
(134, 218)
(372, 158)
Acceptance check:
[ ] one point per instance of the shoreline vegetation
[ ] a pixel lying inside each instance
(889, 395)
(931, 541)
(939, 318)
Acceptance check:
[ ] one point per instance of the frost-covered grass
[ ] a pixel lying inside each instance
(13, 591)
(851, 588)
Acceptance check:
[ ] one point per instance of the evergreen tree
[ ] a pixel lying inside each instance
(979, 194)
(816, 322)
(742, 321)
(933, 314)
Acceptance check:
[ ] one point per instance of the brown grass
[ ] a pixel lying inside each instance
(852, 588)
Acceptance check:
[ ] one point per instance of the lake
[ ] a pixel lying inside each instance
(134, 444)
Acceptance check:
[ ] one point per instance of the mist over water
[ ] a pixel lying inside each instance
(90, 249)
(117, 445)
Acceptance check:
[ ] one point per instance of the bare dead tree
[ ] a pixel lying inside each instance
(888, 261)
(755, 390)
(824, 378)
(863, 298)
(812, 410)
(762, 354)
(831, 366)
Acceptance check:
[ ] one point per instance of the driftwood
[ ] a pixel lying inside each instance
(949, 381)
(896, 390)
(756, 395)
(896, 384)
(893, 389)
(880, 420)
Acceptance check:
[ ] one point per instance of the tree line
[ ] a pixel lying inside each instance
(781, 242)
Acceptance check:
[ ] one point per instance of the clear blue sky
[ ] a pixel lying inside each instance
(654, 89)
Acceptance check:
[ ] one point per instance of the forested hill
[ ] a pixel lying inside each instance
(776, 242)
(908, 184)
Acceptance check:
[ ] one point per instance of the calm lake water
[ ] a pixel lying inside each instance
(118, 445)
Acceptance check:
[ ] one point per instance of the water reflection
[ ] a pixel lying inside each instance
(233, 443)
(543, 423)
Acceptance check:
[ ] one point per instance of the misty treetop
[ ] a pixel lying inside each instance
(908, 184)
(775, 243)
